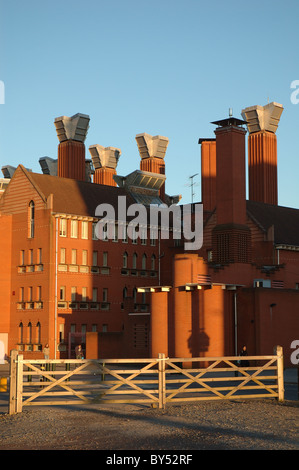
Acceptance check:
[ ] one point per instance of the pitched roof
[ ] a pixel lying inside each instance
(77, 197)
(284, 219)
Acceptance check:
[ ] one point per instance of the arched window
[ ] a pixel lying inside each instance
(153, 263)
(38, 333)
(125, 260)
(125, 293)
(134, 261)
(21, 332)
(144, 261)
(135, 295)
(31, 216)
(29, 333)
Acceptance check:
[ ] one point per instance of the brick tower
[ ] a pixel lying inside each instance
(152, 152)
(105, 161)
(262, 122)
(231, 236)
(71, 132)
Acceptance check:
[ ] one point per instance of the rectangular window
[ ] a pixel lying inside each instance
(94, 237)
(105, 258)
(30, 294)
(84, 229)
(115, 234)
(21, 294)
(104, 328)
(94, 328)
(73, 294)
(94, 258)
(74, 228)
(63, 227)
(94, 294)
(74, 256)
(22, 257)
(105, 294)
(62, 293)
(39, 293)
(62, 255)
(30, 257)
(39, 256)
(84, 294)
(84, 257)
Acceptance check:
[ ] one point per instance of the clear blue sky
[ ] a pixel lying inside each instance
(163, 67)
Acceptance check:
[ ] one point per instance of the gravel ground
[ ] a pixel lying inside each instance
(207, 425)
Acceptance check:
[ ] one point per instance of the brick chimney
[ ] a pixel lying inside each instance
(71, 132)
(262, 123)
(152, 152)
(231, 236)
(208, 173)
(105, 161)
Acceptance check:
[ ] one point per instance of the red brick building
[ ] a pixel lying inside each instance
(134, 298)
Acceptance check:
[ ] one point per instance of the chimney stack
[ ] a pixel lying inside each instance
(152, 151)
(71, 132)
(231, 236)
(208, 173)
(262, 123)
(105, 161)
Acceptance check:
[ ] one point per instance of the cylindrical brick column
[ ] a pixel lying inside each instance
(71, 160)
(184, 271)
(159, 323)
(104, 176)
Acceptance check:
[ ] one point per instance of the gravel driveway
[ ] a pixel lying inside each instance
(212, 425)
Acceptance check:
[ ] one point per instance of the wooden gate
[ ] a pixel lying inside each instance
(156, 381)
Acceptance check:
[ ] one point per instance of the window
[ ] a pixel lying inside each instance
(74, 256)
(30, 294)
(29, 332)
(153, 237)
(74, 228)
(22, 257)
(61, 333)
(135, 295)
(62, 293)
(153, 262)
(144, 261)
(39, 256)
(125, 234)
(30, 257)
(38, 333)
(94, 237)
(39, 293)
(94, 328)
(31, 219)
(105, 258)
(84, 229)
(134, 261)
(104, 328)
(94, 258)
(94, 294)
(143, 236)
(21, 333)
(125, 260)
(62, 255)
(84, 257)
(105, 232)
(105, 294)
(125, 293)
(115, 233)
(21, 294)
(62, 227)
(73, 294)
(84, 294)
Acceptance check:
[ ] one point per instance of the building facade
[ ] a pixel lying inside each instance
(63, 284)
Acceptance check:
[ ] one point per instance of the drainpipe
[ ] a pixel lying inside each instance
(55, 307)
(236, 323)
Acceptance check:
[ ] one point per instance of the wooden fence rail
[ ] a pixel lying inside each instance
(157, 381)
